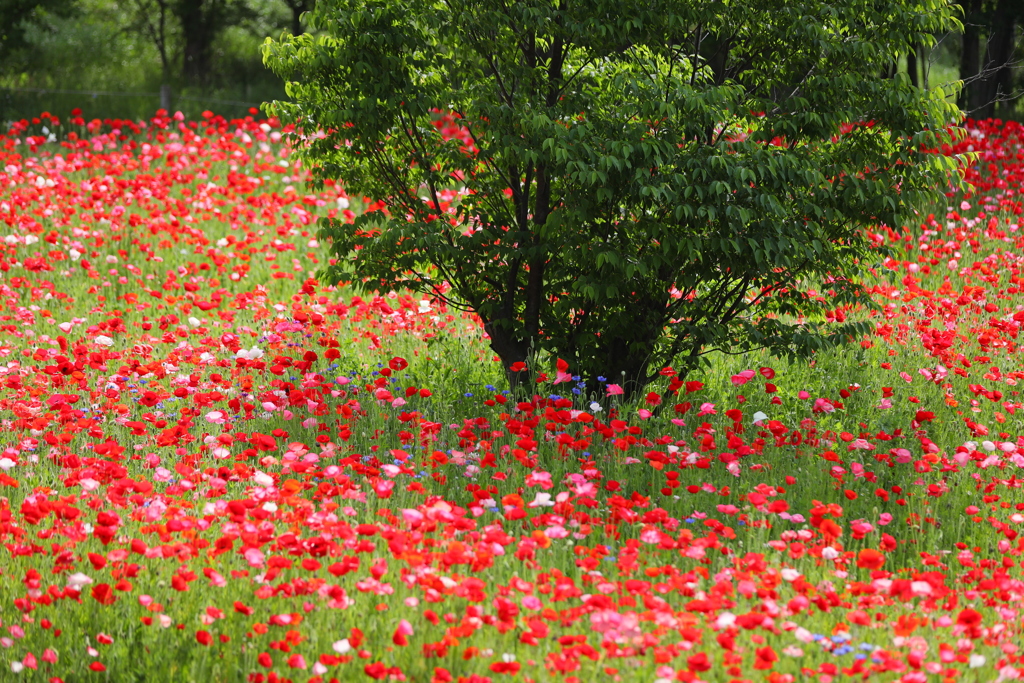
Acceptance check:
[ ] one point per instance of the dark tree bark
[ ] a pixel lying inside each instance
(201, 22)
(153, 22)
(198, 24)
(512, 351)
(912, 68)
(970, 48)
(998, 57)
(298, 7)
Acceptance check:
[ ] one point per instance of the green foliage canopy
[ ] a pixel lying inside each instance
(649, 181)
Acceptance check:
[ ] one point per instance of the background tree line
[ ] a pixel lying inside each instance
(198, 54)
(125, 58)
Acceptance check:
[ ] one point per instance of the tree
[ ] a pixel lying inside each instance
(151, 19)
(987, 47)
(297, 7)
(17, 15)
(645, 181)
(201, 22)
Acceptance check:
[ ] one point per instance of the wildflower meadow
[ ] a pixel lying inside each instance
(215, 468)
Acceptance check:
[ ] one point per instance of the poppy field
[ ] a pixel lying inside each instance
(215, 468)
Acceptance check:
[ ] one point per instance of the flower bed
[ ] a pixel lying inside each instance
(216, 469)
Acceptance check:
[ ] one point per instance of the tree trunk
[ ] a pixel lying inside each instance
(197, 25)
(511, 350)
(912, 68)
(297, 9)
(626, 362)
(924, 57)
(998, 55)
(624, 353)
(970, 64)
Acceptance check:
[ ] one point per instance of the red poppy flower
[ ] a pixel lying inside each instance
(969, 618)
(765, 658)
(869, 558)
(376, 670)
(699, 662)
(104, 594)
